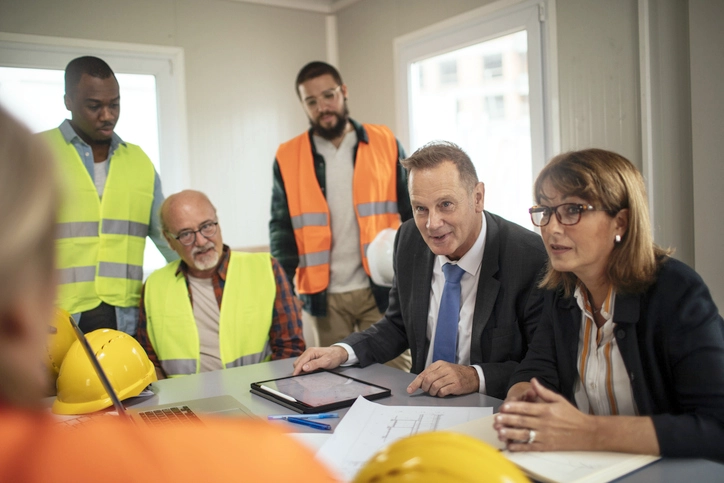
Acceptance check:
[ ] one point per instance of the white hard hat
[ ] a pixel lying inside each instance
(379, 257)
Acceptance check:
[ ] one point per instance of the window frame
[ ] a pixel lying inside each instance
(485, 23)
(166, 64)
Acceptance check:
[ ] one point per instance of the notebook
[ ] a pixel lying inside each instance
(195, 410)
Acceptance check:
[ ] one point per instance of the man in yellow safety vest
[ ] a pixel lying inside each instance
(111, 195)
(214, 308)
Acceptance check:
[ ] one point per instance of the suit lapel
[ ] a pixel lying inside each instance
(422, 281)
(570, 326)
(488, 288)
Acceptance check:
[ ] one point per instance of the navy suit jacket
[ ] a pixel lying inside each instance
(507, 307)
(671, 340)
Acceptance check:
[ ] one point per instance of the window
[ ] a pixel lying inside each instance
(448, 72)
(498, 113)
(495, 108)
(493, 66)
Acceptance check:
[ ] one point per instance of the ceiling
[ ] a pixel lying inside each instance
(322, 6)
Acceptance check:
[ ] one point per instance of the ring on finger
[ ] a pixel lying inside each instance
(531, 436)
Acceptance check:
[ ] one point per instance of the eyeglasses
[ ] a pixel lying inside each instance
(567, 213)
(187, 237)
(326, 98)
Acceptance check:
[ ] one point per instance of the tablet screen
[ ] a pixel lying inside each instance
(323, 388)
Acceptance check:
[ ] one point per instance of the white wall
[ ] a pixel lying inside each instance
(241, 61)
(707, 70)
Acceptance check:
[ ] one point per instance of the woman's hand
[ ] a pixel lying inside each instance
(550, 423)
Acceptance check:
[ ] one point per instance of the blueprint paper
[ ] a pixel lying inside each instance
(368, 427)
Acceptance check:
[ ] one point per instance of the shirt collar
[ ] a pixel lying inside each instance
(221, 268)
(70, 136)
(581, 295)
(473, 259)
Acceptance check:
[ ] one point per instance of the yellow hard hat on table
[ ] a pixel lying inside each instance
(439, 457)
(123, 360)
(62, 336)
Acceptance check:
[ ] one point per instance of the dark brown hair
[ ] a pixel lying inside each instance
(316, 69)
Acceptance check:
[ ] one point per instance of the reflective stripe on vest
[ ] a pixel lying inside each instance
(374, 194)
(245, 315)
(100, 244)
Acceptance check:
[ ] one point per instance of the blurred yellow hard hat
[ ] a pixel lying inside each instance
(60, 339)
(439, 457)
(123, 360)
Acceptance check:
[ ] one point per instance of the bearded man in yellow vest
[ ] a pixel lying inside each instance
(111, 195)
(214, 308)
(335, 188)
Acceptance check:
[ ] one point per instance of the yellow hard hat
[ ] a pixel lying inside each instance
(123, 360)
(60, 339)
(439, 457)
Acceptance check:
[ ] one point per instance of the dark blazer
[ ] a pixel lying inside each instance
(507, 307)
(672, 342)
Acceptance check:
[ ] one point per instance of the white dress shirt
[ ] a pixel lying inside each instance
(470, 262)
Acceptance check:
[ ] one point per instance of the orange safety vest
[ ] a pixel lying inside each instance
(35, 448)
(374, 195)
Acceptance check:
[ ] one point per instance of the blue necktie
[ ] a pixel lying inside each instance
(446, 334)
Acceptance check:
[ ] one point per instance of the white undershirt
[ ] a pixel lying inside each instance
(470, 262)
(100, 173)
(206, 314)
(346, 272)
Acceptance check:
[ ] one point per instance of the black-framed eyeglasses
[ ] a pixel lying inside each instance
(567, 213)
(326, 98)
(187, 237)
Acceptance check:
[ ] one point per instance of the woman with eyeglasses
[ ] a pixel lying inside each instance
(629, 353)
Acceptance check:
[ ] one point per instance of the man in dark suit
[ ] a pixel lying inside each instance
(499, 303)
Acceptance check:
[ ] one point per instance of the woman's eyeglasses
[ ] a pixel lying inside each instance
(567, 213)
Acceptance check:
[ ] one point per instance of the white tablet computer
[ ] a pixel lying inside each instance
(317, 392)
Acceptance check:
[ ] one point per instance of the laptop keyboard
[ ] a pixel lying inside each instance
(179, 414)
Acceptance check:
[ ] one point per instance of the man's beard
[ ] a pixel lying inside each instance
(211, 256)
(337, 129)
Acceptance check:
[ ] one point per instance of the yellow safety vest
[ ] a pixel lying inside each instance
(100, 243)
(244, 320)
(374, 194)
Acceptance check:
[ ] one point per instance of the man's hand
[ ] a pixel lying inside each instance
(443, 378)
(320, 358)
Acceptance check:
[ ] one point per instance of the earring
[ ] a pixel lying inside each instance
(617, 239)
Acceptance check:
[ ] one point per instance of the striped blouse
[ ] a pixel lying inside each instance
(603, 386)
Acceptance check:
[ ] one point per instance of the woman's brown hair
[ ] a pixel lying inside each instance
(611, 183)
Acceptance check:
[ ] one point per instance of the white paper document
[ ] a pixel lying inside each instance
(560, 466)
(368, 427)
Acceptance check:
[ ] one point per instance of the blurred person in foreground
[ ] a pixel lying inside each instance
(629, 353)
(33, 446)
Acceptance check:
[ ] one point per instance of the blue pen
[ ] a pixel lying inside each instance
(311, 424)
(305, 416)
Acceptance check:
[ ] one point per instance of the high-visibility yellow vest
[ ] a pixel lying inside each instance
(244, 321)
(100, 243)
(374, 195)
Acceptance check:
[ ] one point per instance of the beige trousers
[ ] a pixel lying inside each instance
(346, 313)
